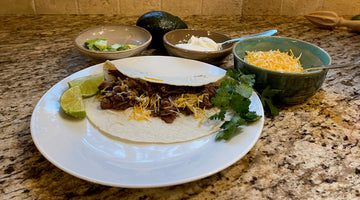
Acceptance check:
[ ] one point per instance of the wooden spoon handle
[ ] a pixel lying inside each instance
(352, 24)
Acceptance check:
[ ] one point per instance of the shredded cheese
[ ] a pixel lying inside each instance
(153, 79)
(274, 60)
(192, 101)
(141, 110)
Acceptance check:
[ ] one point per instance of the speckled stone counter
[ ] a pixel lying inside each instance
(309, 151)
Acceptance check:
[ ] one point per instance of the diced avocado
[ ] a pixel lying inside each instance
(126, 47)
(116, 46)
(94, 43)
(99, 44)
(132, 46)
(113, 47)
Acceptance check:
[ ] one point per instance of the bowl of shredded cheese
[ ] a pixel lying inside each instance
(278, 64)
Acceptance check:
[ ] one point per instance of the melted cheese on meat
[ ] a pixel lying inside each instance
(141, 109)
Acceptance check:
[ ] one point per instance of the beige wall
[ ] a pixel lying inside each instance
(179, 7)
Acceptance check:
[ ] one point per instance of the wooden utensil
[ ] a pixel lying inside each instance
(329, 20)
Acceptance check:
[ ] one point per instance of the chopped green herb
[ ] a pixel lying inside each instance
(222, 97)
(233, 95)
(266, 99)
(220, 115)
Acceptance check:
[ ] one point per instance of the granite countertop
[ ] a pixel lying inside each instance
(309, 151)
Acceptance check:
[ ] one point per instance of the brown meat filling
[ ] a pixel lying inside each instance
(125, 92)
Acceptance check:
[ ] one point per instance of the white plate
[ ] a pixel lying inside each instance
(77, 148)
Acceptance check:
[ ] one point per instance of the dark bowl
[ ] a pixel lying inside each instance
(292, 88)
(183, 35)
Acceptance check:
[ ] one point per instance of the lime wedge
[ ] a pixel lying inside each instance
(88, 84)
(72, 103)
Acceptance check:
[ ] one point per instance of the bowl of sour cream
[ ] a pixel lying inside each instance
(199, 45)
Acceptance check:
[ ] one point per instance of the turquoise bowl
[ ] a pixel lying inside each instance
(292, 88)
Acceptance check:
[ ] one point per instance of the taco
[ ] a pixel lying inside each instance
(153, 107)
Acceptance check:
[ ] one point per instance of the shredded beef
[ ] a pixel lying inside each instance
(105, 85)
(168, 118)
(106, 103)
(124, 92)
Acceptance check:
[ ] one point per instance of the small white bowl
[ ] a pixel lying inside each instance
(121, 34)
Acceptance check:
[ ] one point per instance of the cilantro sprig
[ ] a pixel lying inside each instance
(266, 95)
(234, 96)
(266, 99)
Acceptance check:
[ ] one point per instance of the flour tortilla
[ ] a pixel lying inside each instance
(169, 70)
(154, 130)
